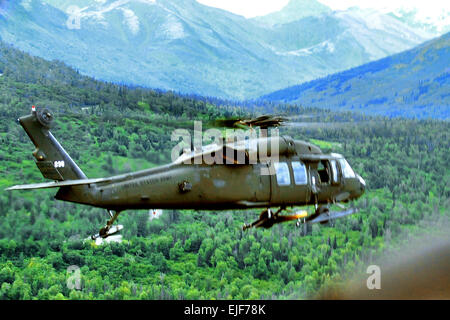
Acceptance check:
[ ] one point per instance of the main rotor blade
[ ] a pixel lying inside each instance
(328, 125)
(316, 125)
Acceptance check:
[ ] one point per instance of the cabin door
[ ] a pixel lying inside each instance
(289, 183)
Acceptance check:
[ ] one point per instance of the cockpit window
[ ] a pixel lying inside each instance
(299, 172)
(282, 171)
(347, 171)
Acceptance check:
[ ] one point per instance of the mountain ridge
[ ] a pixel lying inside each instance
(192, 48)
(414, 83)
(293, 11)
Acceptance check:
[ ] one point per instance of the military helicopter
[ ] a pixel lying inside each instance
(227, 175)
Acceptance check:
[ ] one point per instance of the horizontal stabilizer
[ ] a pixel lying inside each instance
(57, 184)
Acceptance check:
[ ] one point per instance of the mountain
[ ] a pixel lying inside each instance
(414, 83)
(437, 24)
(26, 80)
(188, 47)
(293, 11)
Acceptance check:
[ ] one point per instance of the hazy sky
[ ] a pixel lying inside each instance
(252, 8)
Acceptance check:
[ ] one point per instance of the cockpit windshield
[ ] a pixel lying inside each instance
(347, 171)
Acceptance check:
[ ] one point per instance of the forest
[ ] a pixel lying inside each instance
(185, 254)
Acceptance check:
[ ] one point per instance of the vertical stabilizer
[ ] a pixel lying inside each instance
(51, 158)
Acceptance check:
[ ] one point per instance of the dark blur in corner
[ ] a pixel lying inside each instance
(420, 271)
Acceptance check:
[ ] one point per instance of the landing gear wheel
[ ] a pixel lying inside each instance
(109, 229)
(320, 210)
(103, 231)
(324, 210)
(268, 218)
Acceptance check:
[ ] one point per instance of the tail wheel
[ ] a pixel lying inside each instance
(45, 117)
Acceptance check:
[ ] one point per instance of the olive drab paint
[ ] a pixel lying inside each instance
(218, 176)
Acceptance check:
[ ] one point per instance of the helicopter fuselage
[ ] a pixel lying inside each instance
(293, 180)
(260, 172)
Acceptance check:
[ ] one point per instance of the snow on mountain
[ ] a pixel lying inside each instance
(436, 23)
(295, 10)
(185, 46)
(380, 34)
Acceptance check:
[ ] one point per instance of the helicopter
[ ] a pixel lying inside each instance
(221, 176)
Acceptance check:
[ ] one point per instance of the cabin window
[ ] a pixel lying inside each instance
(299, 169)
(322, 169)
(347, 171)
(334, 171)
(282, 172)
